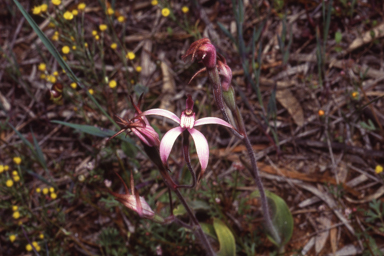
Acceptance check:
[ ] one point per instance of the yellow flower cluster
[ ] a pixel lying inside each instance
(65, 49)
(121, 19)
(16, 176)
(103, 27)
(12, 238)
(114, 46)
(35, 245)
(81, 6)
(17, 160)
(321, 112)
(39, 9)
(138, 69)
(130, 55)
(68, 15)
(55, 36)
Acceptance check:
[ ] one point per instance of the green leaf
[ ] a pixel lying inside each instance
(97, 131)
(39, 153)
(209, 230)
(195, 205)
(338, 37)
(225, 237)
(226, 32)
(281, 217)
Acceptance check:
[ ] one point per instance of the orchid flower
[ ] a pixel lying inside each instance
(140, 126)
(134, 201)
(186, 122)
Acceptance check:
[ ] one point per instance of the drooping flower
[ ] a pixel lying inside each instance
(186, 122)
(202, 50)
(140, 126)
(134, 201)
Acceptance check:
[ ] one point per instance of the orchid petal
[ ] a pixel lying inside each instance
(202, 148)
(168, 141)
(141, 136)
(162, 112)
(212, 120)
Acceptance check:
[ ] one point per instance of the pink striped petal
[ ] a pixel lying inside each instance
(162, 112)
(212, 120)
(167, 142)
(202, 148)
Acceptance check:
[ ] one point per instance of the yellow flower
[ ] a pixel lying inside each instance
(42, 67)
(112, 84)
(12, 238)
(114, 46)
(36, 245)
(121, 19)
(74, 85)
(44, 7)
(16, 178)
(91, 91)
(41, 236)
(72, 39)
(185, 9)
(9, 183)
(1, 168)
(86, 45)
(110, 11)
(75, 12)
(81, 6)
(103, 27)
(51, 25)
(65, 49)
(154, 2)
(51, 189)
(165, 12)
(51, 79)
(43, 76)
(56, 73)
(56, 2)
(74, 47)
(94, 32)
(16, 215)
(6, 167)
(45, 191)
(17, 160)
(378, 169)
(355, 95)
(36, 10)
(138, 68)
(55, 37)
(97, 37)
(321, 112)
(38, 190)
(28, 247)
(14, 208)
(53, 196)
(15, 173)
(130, 55)
(68, 15)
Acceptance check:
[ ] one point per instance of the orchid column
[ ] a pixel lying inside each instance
(220, 77)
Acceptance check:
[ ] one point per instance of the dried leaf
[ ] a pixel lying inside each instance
(367, 37)
(288, 100)
(322, 237)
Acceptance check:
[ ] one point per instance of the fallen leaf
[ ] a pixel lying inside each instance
(288, 100)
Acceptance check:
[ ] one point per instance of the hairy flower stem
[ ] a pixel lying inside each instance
(197, 230)
(154, 155)
(229, 100)
(264, 203)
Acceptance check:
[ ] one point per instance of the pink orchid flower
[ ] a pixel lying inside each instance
(140, 126)
(187, 122)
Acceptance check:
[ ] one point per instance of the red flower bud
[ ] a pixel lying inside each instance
(204, 51)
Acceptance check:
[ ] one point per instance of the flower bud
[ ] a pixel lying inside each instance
(225, 73)
(202, 50)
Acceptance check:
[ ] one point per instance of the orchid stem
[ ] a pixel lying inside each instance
(197, 230)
